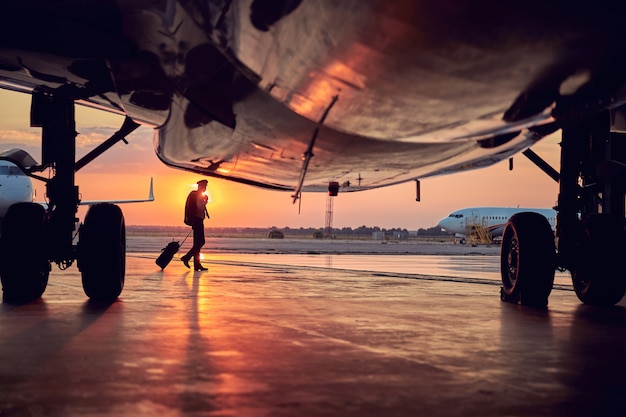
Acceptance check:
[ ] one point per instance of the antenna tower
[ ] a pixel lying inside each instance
(333, 190)
(328, 229)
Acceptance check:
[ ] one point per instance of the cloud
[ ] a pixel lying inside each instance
(23, 137)
(132, 157)
(93, 136)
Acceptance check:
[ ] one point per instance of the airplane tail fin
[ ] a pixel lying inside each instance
(151, 192)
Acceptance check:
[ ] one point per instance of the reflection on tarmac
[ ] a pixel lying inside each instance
(274, 340)
(478, 263)
(486, 267)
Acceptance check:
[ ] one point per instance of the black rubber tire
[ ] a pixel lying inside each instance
(527, 260)
(24, 264)
(102, 252)
(599, 278)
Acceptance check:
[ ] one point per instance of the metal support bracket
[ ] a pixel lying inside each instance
(542, 164)
(308, 154)
(127, 128)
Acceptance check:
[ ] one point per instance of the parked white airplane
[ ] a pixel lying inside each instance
(492, 219)
(17, 187)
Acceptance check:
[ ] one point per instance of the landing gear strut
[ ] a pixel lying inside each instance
(590, 224)
(32, 237)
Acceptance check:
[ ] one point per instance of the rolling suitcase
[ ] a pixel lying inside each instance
(168, 252)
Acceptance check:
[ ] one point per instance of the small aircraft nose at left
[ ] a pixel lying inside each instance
(444, 223)
(450, 223)
(15, 186)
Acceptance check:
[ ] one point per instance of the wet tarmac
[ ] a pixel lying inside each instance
(260, 339)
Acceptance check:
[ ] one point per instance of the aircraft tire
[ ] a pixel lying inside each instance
(102, 252)
(527, 260)
(599, 279)
(24, 264)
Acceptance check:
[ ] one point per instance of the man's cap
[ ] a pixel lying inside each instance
(205, 182)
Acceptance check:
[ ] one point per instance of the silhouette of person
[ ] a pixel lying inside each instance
(195, 211)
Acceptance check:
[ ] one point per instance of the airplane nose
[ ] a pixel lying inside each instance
(444, 223)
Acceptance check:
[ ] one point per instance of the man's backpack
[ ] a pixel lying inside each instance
(190, 208)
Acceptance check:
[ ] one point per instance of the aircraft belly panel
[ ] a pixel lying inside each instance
(269, 140)
(404, 68)
(374, 92)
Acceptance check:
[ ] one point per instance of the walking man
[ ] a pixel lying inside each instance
(195, 210)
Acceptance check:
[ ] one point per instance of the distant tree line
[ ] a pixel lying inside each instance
(433, 231)
(361, 232)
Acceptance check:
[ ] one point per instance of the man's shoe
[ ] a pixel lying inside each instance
(185, 262)
(201, 268)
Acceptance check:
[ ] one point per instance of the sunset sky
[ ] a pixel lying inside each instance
(124, 172)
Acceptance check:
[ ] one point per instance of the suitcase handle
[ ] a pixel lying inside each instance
(181, 243)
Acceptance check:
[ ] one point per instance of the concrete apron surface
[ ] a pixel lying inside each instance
(259, 340)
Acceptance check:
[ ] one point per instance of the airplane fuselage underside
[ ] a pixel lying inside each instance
(373, 92)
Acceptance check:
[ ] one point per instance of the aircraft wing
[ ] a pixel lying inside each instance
(25, 162)
(150, 198)
(92, 202)
(293, 94)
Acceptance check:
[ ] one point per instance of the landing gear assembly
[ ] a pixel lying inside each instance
(32, 237)
(590, 234)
